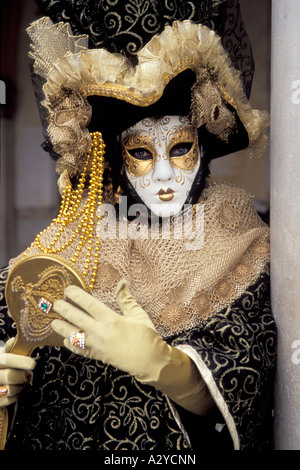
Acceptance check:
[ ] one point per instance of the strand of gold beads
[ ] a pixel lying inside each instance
(71, 211)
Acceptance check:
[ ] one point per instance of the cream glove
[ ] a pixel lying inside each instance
(130, 343)
(15, 371)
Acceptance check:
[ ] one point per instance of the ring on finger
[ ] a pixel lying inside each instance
(78, 339)
(3, 391)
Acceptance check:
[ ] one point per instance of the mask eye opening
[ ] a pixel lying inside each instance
(140, 153)
(180, 149)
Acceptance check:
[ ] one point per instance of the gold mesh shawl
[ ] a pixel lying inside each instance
(177, 286)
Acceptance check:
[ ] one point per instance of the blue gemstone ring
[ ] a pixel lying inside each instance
(45, 305)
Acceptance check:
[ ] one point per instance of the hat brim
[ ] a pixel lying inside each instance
(112, 116)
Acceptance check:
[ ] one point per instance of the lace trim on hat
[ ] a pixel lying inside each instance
(66, 63)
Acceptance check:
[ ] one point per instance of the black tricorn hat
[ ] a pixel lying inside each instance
(113, 116)
(182, 70)
(126, 26)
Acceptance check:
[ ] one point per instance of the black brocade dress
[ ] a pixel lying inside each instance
(75, 403)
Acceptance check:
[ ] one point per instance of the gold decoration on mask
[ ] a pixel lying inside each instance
(138, 166)
(167, 195)
(135, 166)
(184, 135)
(176, 135)
(73, 210)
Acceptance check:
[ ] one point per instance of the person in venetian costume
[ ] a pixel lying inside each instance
(169, 342)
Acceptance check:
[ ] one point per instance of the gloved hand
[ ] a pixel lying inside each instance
(15, 371)
(130, 343)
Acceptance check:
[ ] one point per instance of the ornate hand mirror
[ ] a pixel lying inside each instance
(32, 287)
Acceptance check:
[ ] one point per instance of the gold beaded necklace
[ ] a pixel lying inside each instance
(71, 211)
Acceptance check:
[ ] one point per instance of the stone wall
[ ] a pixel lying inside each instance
(285, 217)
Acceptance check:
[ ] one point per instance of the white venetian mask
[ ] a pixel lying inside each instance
(161, 159)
